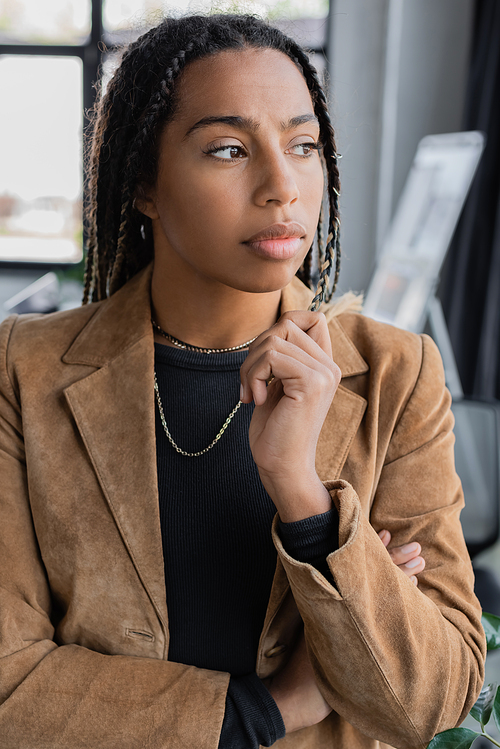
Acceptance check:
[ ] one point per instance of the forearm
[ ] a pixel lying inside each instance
(252, 717)
(79, 698)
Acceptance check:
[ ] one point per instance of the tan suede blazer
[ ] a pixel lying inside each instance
(83, 619)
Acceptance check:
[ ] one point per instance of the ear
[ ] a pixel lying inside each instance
(145, 201)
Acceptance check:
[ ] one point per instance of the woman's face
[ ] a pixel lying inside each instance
(240, 181)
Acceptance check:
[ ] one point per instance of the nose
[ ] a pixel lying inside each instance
(276, 181)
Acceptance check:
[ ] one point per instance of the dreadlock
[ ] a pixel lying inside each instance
(127, 121)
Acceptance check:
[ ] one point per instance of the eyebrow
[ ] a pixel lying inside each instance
(247, 123)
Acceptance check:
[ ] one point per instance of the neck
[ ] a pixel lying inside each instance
(210, 315)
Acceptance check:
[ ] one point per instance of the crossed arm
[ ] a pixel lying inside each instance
(295, 689)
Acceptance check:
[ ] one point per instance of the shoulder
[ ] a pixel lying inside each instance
(37, 332)
(388, 349)
(378, 342)
(34, 343)
(404, 375)
(36, 349)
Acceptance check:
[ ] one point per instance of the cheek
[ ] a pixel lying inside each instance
(204, 205)
(317, 185)
(190, 214)
(311, 192)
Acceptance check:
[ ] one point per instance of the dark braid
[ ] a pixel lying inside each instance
(324, 293)
(305, 270)
(127, 122)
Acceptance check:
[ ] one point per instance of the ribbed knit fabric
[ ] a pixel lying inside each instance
(252, 718)
(215, 521)
(312, 539)
(215, 515)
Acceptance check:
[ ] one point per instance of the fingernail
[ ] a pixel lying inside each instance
(242, 392)
(413, 563)
(409, 548)
(382, 534)
(414, 580)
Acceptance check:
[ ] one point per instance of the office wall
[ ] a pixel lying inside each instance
(398, 71)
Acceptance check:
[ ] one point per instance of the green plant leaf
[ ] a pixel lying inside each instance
(482, 708)
(496, 709)
(455, 738)
(491, 626)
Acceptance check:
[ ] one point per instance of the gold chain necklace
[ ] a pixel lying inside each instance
(200, 349)
(170, 438)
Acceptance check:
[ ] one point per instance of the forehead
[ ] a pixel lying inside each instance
(257, 83)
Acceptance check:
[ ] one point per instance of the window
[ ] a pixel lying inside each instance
(41, 158)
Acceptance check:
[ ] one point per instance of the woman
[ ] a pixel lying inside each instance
(145, 602)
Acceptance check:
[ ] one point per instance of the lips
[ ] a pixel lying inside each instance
(278, 241)
(278, 231)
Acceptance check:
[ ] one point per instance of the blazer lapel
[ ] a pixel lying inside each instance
(114, 410)
(346, 411)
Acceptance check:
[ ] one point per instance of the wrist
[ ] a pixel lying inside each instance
(298, 499)
(289, 714)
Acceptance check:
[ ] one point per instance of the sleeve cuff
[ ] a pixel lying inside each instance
(252, 717)
(300, 574)
(312, 538)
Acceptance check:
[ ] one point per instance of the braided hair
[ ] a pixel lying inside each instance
(123, 150)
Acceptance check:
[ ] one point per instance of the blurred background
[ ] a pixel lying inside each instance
(395, 71)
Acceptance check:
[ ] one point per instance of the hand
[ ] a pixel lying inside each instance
(295, 692)
(406, 557)
(289, 413)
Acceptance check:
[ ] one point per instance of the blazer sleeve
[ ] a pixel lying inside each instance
(69, 696)
(400, 663)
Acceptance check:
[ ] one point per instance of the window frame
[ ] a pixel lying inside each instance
(91, 52)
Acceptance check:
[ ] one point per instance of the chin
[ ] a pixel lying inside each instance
(264, 285)
(274, 277)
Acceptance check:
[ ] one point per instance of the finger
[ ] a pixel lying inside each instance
(385, 537)
(403, 554)
(285, 330)
(302, 376)
(313, 324)
(413, 567)
(288, 362)
(414, 580)
(271, 363)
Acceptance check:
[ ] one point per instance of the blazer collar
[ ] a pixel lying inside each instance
(345, 354)
(118, 323)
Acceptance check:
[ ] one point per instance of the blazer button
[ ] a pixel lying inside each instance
(278, 649)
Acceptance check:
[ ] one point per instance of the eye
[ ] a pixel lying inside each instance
(305, 150)
(226, 153)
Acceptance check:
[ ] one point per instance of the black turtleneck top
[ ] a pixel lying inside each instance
(215, 522)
